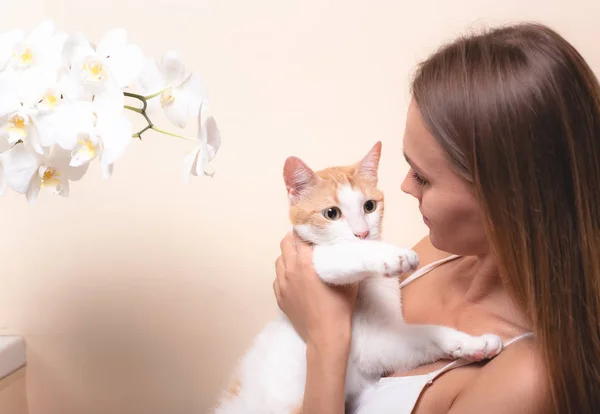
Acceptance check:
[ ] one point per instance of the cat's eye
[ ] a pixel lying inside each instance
(370, 206)
(332, 213)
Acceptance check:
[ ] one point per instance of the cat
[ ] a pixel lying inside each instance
(339, 210)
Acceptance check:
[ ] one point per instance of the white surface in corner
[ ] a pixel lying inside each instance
(12, 354)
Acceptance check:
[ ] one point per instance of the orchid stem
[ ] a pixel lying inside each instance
(171, 134)
(136, 96)
(154, 95)
(142, 111)
(140, 132)
(131, 108)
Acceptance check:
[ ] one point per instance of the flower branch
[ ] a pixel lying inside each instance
(62, 106)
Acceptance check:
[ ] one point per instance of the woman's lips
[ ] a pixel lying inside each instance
(423, 215)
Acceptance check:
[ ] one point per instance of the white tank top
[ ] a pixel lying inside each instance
(399, 395)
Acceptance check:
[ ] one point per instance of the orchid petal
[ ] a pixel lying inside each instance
(49, 54)
(86, 151)
(189, 163)
(193, 91)
(172, 68)
(115, 133)
(20, 166)
(68, 124)
(213, 137)
(176, 111)
(111, 101)
(64, 190)
(41, 33)
(34, 189)
(4, 145)
(107, 169)
(125, 65)
(33, 140)
(150, 79)
(73, 88)
(9, 97)
(7, 43)
(81, 156)
(33, 85)
(201, 161)
(76, 173)
(60, 160)
(75, 49)
(114, 41)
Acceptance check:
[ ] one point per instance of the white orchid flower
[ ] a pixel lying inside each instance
(74, 119)
(111, 66)
(27, 172)
(53, 96)
(196, 161)
(64, 125)
(106, 138)
(20, 95)
(180, 96)
(54, 174)
(42, 47)
(62, 105)
(19, 167)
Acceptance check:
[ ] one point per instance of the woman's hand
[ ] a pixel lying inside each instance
(320, 313)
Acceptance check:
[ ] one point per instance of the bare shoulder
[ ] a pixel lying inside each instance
(514, 382)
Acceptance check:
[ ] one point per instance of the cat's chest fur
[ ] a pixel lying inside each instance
(377, 316)
(378, 306)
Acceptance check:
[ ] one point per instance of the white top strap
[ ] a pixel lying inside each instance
(518, 338)
(426, 269)
(462, 362)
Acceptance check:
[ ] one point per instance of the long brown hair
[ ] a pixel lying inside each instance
(517, 110)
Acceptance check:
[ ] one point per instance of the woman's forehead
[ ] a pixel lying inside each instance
(420, 147)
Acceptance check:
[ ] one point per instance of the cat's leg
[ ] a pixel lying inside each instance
(415, 345)
(449, 342)
(350, 262)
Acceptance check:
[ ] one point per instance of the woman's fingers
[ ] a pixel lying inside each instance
(277, 292)
(279, 276)
(303, 251)
(288, 249)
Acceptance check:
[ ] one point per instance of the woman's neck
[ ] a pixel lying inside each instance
(479, 284)
(482, 282)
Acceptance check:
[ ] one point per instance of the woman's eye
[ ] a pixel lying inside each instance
(332, 213)
(419, 180)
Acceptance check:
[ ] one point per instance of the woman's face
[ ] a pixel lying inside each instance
(446, 200)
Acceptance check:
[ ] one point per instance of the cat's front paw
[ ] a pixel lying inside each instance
(476, 348)
(400, 261)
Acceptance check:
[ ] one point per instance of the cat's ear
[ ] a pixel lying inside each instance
(368, 166)
(299, 178)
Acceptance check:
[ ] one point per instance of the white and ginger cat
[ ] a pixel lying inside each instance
(340, 211)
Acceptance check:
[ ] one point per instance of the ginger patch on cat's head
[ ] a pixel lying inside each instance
(337, 203)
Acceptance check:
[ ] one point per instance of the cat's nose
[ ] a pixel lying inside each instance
(362, 235)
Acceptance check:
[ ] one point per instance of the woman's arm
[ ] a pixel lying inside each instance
(325, 379)
(322, 315)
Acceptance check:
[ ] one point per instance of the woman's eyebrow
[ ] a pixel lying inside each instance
(411, 162)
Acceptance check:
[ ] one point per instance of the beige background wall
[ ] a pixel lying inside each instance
(137, 294)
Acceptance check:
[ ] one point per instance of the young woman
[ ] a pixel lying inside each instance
(503, 140)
